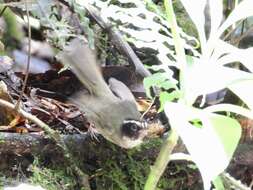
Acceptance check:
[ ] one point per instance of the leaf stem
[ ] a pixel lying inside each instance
(179, 48)
(161, 162)
(164, 156)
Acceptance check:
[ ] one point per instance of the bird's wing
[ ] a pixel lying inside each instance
(121, 90)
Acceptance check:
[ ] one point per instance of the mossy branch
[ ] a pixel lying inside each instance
(54, 135)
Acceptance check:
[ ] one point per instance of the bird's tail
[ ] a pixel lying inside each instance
(83, 63)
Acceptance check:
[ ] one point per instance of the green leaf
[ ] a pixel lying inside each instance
(225, 53)
(167, 97)
(195, 9)
(242, 90)
(159, 80)
(241, 11)
(210, 77)
(214, 143)
(229, 132)
(150, 29)
(218, 183)
(216, 15)
(230, 108)
(85, 23)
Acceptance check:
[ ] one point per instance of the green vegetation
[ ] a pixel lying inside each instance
(200, 128)
(123, 171)
(52, 179)
(12, 30)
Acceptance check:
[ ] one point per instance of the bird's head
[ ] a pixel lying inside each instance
(120, 123)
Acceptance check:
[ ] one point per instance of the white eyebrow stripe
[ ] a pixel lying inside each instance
(132, 121)
(142, 124)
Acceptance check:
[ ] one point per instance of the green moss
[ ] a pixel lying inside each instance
(123, 172)
(130, 169)
(118, 170)
(52, 179)
(126, 170)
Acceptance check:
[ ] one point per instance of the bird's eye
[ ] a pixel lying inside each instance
(131, 129)
(134, 128)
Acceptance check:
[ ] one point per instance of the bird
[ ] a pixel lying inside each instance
(112, 108)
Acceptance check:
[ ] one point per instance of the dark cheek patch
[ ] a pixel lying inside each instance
(131, 129)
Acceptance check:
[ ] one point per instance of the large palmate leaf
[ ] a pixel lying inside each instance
(242, 11)
(226, 53)
(216, 15)
(142, 27)
(243, 90)
(214, 138)
(212, 145)
(210, 77)
(195, 9)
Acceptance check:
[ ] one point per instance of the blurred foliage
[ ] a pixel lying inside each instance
(11, 32)
(184, 20)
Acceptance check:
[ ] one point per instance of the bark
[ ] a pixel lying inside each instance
(86, 147)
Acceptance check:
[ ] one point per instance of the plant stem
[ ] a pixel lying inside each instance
(171, 18)
(179, 48)
(161, 162)
(164, 156)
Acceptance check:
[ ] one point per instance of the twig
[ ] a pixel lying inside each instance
(28, 58)
(83, 178)
(2, 11)
(149, 107)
